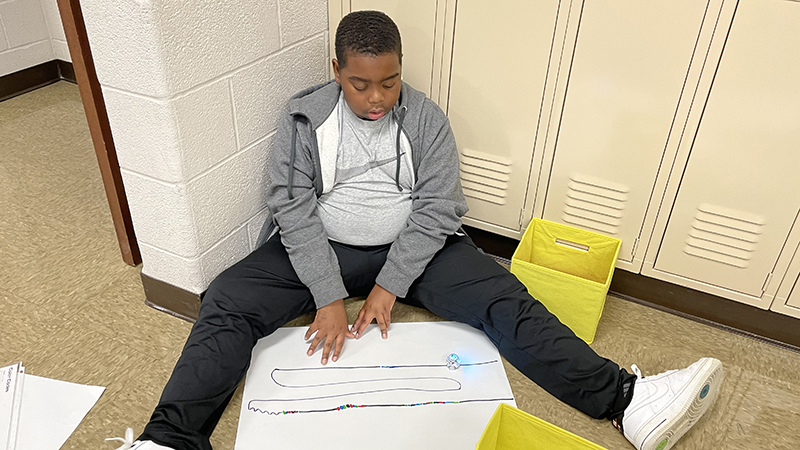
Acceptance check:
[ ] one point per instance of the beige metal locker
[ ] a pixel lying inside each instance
(787, 300)
(739, 193)
(629, 68)
(499, 65)
(793, 301)
(419, 22)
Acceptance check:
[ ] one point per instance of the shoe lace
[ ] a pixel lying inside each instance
(127, 441)
(638, 372)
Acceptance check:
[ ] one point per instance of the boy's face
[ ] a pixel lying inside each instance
(371, 84)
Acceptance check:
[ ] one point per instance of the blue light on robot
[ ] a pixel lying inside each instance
(453, 361)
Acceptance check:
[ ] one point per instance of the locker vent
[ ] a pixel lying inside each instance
(724, 235)
(485, 176)
(594, 203)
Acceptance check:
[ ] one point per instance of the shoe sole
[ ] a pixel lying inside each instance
(706, 382)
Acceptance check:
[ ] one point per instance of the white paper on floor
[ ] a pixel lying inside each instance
(51, 411)
(389, 394)
(39, 413)
(11, 382)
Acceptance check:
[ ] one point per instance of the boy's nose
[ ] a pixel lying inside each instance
(375, 97)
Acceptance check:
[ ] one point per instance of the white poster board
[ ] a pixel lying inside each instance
(52, 410)
(39, 413)
(389, 394)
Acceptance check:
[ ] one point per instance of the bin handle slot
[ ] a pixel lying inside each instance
(573, 245)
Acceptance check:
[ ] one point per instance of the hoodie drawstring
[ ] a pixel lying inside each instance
(293, 153)
(402, 117)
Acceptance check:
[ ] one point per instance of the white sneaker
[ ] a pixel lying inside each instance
(665, 406)
(129, 444)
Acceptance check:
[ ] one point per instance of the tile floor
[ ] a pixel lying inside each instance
(72, 310)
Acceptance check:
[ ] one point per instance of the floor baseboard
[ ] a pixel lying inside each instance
(760, 324)
(171, 299)
(32, 78)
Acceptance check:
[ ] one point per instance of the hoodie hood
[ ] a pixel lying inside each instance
(315, 105)
(318, 102)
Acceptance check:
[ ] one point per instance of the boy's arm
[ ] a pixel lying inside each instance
(437, 206)
(301, 229)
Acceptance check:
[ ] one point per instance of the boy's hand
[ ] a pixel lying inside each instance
(378, 306)
(330, 325)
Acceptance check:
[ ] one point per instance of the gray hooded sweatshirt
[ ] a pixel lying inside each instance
(302, 167)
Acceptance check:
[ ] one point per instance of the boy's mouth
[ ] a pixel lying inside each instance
(376, 114)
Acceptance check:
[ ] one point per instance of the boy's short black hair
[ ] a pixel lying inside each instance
(367, 32)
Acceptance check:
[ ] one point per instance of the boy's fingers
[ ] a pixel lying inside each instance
(311, 329)
(326, 349)
(357, 323)
(383, 325)
(363, 326)
(338, 349)
(314, 344)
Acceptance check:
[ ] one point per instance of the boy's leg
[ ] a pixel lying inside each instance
(463, 284)
(246, 302)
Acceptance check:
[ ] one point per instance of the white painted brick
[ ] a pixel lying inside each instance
(185, 273)
(301, 19)
(213, 37)
(164, 66)
(224, 254)
(328, 64)
(125, 43)
(161, 214)
(172, 140)
(254, 226)
(260, 92)
(194, 274)
(145, 135)
(204, 119)
(53, 19)
(61, 50)
(227, 196)
(16, 59)
(176, 45)
(3, 41)
(24, 22)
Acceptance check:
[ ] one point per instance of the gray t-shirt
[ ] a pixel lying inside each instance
(364, 207)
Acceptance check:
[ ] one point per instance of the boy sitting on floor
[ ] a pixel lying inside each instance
(366, 200)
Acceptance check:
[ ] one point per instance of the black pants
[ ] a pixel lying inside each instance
(254, 297)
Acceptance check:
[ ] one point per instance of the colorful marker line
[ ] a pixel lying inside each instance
(252, 404)
(397, 405)
(350, 405)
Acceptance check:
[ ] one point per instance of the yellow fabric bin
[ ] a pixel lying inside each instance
(568, 270)
(512, 429)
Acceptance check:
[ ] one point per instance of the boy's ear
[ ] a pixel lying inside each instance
(336, 70)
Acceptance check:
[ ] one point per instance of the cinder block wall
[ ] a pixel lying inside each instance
(56, 30)
(30, 33)
(193, 92)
